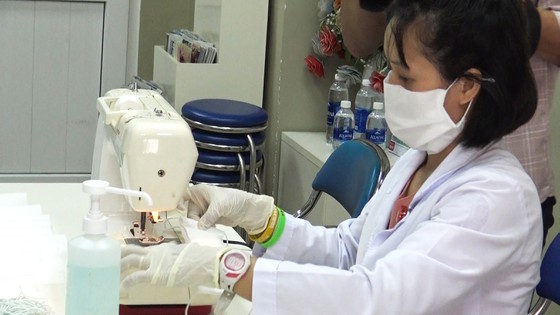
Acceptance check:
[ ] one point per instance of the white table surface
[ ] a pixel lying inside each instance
(66, 205)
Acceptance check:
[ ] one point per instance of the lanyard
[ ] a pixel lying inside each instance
(426, 193)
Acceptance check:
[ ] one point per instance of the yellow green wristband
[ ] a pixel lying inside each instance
(268, 231)
(277, 231)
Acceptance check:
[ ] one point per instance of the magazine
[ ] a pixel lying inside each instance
(188, 47)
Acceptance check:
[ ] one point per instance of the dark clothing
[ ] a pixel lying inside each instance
(548, 217)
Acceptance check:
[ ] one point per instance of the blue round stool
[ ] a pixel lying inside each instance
(218, 178)
(228, 116)
(227, 142)
(229, 135)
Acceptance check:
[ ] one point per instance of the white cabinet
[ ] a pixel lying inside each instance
(57, 58)
(239, 30)
(302, 155)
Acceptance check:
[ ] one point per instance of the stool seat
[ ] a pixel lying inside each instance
(224, 113)
(215, 177)
(232, 140)
(224, 158)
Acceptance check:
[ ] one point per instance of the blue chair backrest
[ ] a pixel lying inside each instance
(352, 174)
(549, 287)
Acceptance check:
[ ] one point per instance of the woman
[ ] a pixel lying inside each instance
(456, 226)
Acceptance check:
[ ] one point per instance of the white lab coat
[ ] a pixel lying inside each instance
(470, 245)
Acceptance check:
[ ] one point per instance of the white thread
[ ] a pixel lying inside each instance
(24, 306)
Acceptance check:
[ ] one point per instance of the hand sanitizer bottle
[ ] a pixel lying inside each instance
(94, 259)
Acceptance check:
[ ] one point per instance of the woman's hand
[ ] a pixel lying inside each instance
(233, 207)
(171, 264)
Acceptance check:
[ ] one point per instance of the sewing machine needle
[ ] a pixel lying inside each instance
(143, 223)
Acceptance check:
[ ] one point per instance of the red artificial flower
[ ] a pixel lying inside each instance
(376, 80)
(315, 66)
(329, 42)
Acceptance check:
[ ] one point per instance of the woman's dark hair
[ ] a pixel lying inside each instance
(489, 35)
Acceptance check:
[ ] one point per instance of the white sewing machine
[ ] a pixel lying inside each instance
(142, 144)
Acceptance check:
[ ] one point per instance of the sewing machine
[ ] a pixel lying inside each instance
(143, 144)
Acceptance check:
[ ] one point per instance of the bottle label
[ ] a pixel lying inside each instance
(376, 135)
(361, 116)
(333, 108)
(343, 134)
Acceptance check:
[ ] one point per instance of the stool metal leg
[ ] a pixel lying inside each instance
(258, 174)
(259, 185)
(242, 180)
(252, 163)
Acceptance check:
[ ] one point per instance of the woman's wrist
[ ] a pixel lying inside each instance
(278, 230)
(268, 230)
(244, 287)
(273, 229)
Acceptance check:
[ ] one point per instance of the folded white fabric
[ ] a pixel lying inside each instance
(34, 256)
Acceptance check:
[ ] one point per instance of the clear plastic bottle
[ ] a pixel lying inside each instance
(94, 259)
(343, 126)
(376, 126)
(337, 92)
(363, 107)
(378, 97)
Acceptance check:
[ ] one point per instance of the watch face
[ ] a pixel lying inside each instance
(234, 261)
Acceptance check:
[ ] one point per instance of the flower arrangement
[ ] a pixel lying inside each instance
(376, 80)
(328, 42)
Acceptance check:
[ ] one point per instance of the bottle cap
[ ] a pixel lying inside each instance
(339, 77)
(345, 104)
(366, 82)
(377, 105)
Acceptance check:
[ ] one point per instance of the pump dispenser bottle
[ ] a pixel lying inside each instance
(93, 278)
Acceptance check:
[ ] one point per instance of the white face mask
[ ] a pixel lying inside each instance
(419, 118)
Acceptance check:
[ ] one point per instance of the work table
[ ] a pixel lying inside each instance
(66, 205)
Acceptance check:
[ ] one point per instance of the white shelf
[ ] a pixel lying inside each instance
(313, 146)
(239, 72)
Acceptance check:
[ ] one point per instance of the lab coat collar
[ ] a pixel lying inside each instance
(456, 161)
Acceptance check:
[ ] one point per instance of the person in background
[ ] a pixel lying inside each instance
(455, 227)
(361, 25)
(531, 142)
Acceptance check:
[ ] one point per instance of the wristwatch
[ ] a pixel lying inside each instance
(233, 266)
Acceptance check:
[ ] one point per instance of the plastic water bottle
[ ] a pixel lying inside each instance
(378, 97)
(338, 92)
(376, 126)
(343, 126)
(363, 104)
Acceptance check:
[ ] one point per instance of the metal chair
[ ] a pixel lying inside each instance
(548, 289)
(351, 175)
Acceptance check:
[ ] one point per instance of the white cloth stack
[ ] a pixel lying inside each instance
(33, 261)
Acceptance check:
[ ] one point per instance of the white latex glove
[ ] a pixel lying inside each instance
(233, 207)
(171, 264)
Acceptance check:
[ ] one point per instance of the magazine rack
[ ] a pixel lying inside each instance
(239, 30)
